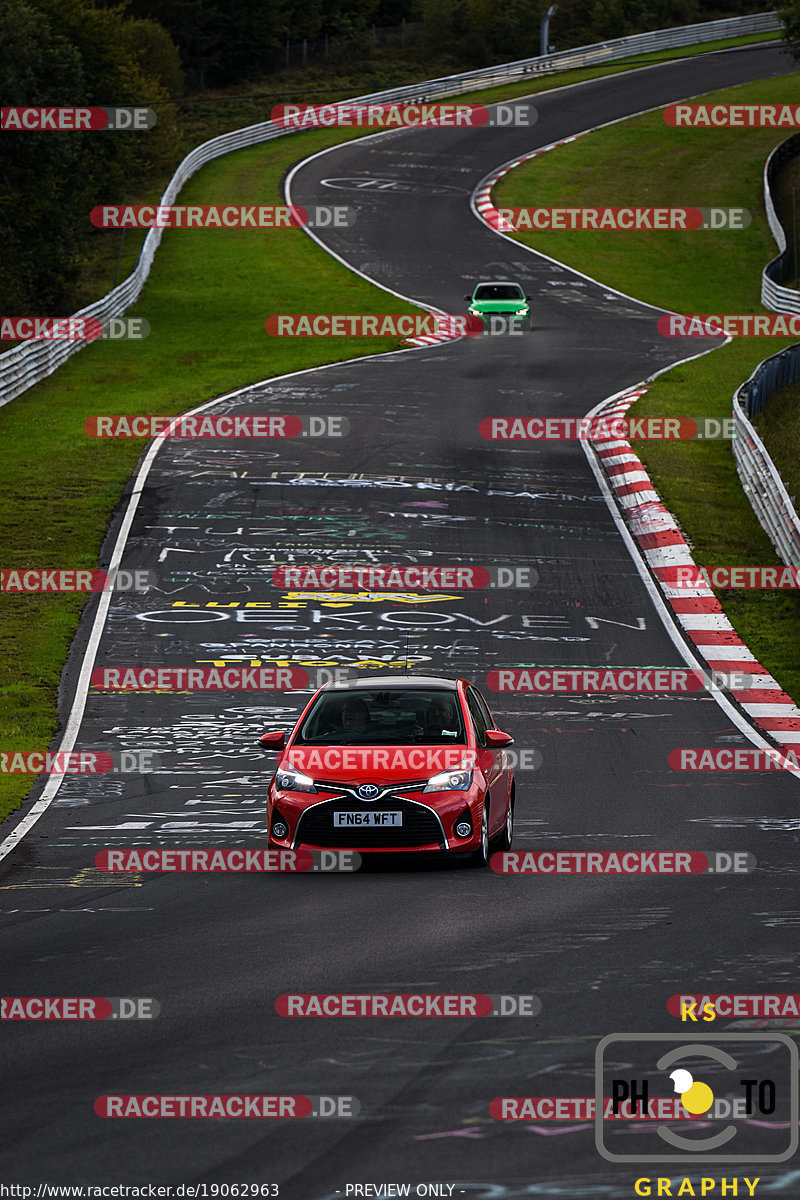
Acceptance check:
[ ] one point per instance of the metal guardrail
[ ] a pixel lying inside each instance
(758, 474)
(33, 361)
(773, 294)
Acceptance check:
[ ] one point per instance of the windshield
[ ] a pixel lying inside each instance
(400, 717)
(498, 291)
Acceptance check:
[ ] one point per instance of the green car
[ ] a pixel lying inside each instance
(504, 299)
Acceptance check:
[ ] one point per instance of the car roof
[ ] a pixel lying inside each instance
(493, 281)
(392, 683)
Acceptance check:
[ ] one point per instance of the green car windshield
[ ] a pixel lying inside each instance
(498, 291)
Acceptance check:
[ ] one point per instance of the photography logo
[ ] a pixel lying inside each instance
(724, 1098)
(696, 1098)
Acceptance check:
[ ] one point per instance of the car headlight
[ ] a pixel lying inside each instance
(289, 780)
(473, 311)
(449, 781)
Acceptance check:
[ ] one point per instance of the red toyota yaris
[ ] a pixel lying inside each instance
(391, 764)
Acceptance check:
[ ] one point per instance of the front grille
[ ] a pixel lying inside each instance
(420, 827)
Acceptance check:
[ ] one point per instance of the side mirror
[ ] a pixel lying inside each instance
(529, 299)
(496, 737)
(468, 298)
(273, 741)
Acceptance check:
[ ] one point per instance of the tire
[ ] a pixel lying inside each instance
(505, 837)
(480, 857)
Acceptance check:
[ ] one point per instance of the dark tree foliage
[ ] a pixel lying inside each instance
(790, 15)
(581, 22)
(224, 42)
(60, 53)
(38, 233)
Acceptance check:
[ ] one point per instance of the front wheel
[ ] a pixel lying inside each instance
(480, 857)
(505, 837)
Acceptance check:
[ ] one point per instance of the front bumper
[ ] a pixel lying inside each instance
(425, 828)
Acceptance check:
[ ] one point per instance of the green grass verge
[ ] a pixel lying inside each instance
(779, 428)
(642, 162)
(206, 299)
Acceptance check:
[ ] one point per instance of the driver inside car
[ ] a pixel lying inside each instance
(438, 721)
(355, 716)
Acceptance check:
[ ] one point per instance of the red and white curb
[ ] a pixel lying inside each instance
(483, 198)
(695, 610)
(432, 339)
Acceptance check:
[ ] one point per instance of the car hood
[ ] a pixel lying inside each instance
(376, 764)
(499, 306)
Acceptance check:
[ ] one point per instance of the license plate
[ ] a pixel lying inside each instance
(371, 819)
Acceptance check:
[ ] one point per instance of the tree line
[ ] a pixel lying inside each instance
(224, 42)
(65, 53)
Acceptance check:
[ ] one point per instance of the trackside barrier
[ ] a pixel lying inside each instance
(32, 361)
(758, 474)
(773, 294)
